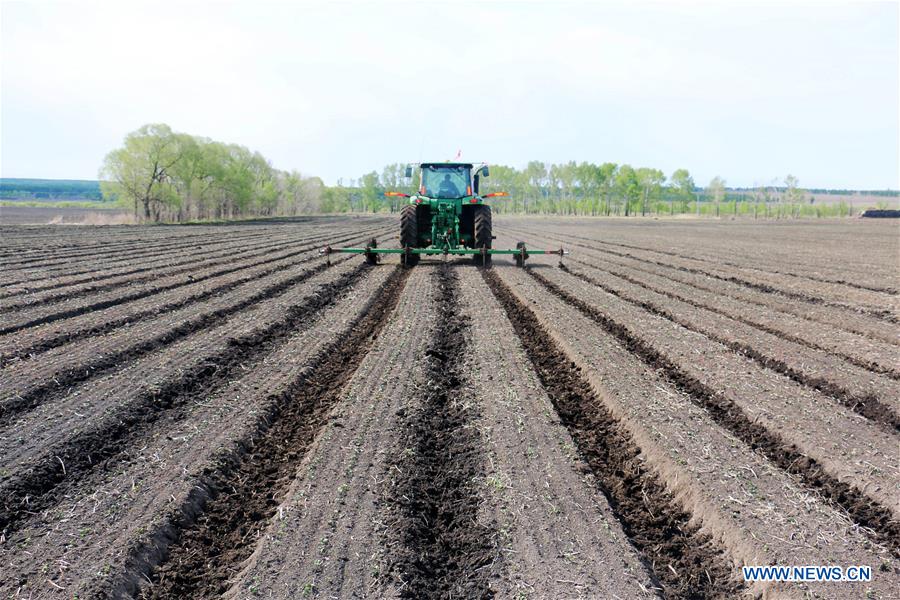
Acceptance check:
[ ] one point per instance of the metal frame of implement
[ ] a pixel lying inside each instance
(522, 251)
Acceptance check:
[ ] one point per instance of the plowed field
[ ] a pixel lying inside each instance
(217, 411)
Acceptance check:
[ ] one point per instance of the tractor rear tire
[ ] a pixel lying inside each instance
(409, 235)
(482, 233)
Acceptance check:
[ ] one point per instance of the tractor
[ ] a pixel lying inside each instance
(446, 216)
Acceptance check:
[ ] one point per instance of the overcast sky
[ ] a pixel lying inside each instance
(747, 92)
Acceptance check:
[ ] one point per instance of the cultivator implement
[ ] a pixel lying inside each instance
(371, 251)
(446, 217)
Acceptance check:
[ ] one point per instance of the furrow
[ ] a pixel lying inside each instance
(770, 286)
(37, 490)
(228, 252)
(882, 314)
(165, 239)
(36, 298)
(149, 291)
(801, 309)
(840, 338)
(858, 286)
(759, 324)
(60, 384)
(685, 562)
(195, 557)
(866, 405)
(165, 248)
(105, 250)
(111, 323)
(439, 550)
(43, 272)
(871, 516)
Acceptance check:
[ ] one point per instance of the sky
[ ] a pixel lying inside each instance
(747, 91)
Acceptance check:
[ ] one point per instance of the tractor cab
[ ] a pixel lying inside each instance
(445, 180)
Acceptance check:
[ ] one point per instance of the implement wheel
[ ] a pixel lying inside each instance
(371, 257)
(522, 255)
(409, 235)
(482, 234)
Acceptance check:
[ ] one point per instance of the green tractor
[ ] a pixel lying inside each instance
(447, 216)
(448, 212)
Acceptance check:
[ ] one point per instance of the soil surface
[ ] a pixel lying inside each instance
(222, 411)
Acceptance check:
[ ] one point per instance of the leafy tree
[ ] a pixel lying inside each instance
(628, 187)
(504, 179)
(335, 199)
(175, 176)
(139, 171)
(651, 182)
(393, 178)
(606, 180)
(716, 190)
(793, 194)
(587, 176)
(566, 176)
(535, 178)
(682, 187)
(372, 192)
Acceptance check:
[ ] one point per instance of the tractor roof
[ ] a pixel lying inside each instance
(446, 164)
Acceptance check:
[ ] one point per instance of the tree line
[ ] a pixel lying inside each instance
(589, 189)
(168, 176)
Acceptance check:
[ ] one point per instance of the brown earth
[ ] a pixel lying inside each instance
(209, 411)
(39, 215)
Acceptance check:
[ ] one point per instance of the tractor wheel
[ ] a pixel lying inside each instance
(409, 235)
(482, 234)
